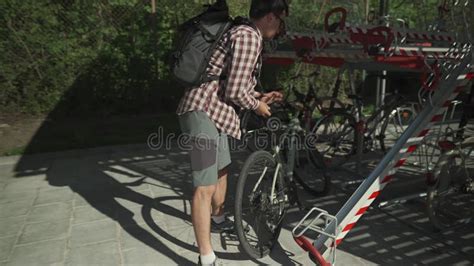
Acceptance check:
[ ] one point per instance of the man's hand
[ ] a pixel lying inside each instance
(263, 109)
(271, 97)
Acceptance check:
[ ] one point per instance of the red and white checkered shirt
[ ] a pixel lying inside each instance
(238, 52)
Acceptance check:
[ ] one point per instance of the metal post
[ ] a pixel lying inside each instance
(382, 81)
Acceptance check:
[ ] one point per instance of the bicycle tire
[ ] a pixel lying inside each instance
(393, 127)
(311, 173)
(335, 138)
(253, 207)
(448, 204)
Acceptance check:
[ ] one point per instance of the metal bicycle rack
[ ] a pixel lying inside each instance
(450, 66)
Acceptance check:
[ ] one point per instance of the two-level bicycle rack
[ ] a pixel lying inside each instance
(448, 66)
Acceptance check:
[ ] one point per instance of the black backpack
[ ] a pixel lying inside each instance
(198, 38)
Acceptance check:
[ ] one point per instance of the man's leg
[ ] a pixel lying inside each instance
(201, 217)
(219, 196)
(204, 166)
(223, 162)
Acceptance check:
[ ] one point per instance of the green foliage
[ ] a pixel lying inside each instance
(109, 56)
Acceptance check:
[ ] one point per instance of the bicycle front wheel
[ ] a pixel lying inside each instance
(394, 126)
(258, 216)
(335, 138)
(450, 195)
(310, 172)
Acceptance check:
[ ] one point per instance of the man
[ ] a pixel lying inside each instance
(207, 114)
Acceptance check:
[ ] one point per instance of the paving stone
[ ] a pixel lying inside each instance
(6, 246)
(85, 214)
(111, 196)
(27, 183)
(134, 216)
(159, 238)
(86, 233)
(150, 256)
(176, 213)
(133, 180)
(46, 196)
(105, 253)
(98, 196)
(50, 212)
(9, 196)
(141, 235)
(44, 230)
(16, 208)
(41, 253)
(131, 199)
(11, 226)
(7, 171)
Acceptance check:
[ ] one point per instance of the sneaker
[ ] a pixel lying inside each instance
(226, 226)
(214, 263)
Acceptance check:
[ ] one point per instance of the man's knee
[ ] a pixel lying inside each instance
(204, 192)
(223, 172)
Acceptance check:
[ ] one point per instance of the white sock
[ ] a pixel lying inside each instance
(208, 259)
(218, 219)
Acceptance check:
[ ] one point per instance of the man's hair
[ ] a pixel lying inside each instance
(260, 8)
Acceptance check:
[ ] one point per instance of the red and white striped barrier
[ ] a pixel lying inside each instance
(371, 194)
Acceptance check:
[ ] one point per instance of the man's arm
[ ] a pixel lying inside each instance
(245, 51)
(256, 94)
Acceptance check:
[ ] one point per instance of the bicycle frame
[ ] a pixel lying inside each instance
(291, 131)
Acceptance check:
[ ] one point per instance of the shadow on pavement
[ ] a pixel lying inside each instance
(114, 181)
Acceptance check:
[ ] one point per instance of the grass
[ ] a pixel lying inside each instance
(15, 151)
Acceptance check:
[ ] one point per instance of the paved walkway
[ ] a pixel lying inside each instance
(130, 205)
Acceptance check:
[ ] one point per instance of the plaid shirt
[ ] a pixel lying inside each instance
(236, 56)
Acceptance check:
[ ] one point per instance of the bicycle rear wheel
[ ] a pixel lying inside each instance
(258, 218)
(450, 195)
(335, 138)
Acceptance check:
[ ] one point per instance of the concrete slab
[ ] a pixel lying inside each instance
(6, 246)
(50, 212)
(93, 232)
(34, 232)
(15, 208)
(11, 226)
(41, 253)
(105, 253)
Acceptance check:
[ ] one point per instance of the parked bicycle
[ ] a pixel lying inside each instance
(255, 135)
(267, 186)
(450, 193)
(338, 131)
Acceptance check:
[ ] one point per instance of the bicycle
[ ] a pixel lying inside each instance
(450, 191)
(338, 131)
(254, 133)
(266, 187)
(450, 194)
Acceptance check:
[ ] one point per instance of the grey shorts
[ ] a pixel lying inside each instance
(208, 148)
